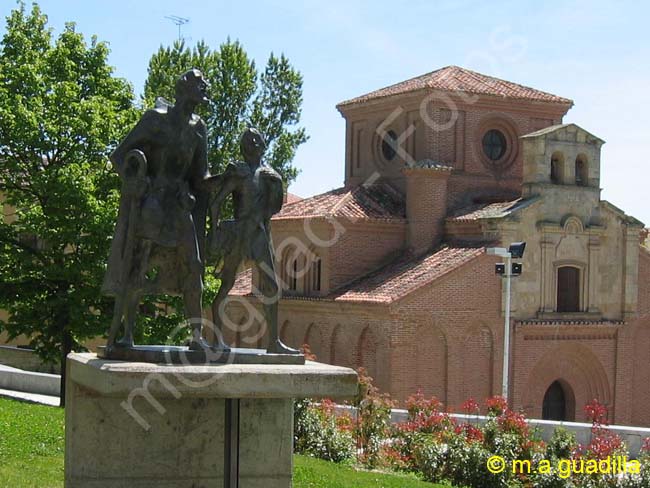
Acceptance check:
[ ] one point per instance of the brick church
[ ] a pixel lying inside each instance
(391, 271)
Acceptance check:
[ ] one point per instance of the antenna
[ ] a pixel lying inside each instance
(179, 21)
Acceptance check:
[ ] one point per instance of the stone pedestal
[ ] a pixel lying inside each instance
(140, 425)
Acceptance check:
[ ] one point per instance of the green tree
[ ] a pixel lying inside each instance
(61, 112)
(271, 100)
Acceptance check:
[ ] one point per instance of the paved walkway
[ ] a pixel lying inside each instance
(30, 397)
(24, 396)
(4, 367)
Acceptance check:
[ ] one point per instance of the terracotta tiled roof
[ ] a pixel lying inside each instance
(376, 202)
(390, 283)
(406, 275)
(457, 79)
(291, 198)
(485, 210)
(243, 283)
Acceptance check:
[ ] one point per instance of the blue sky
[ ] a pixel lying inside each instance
(595, 53)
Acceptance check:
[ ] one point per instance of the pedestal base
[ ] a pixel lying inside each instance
(140, 425)
(184, 355)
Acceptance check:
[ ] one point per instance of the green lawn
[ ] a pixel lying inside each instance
(314, 473)
(31, 455)
(31, 445)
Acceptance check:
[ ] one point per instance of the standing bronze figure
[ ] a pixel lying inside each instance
(159, 238)
(257, 194)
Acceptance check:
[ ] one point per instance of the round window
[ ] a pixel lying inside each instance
(389, 145)
(494, 144)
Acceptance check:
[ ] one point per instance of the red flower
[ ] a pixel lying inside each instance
(327, 406)
(471, 433)
(496, 405)
(345, 423)
(604, 444)
(470, 406)
(419, 405)
(646, 445)
(513, 422)
(596, 412)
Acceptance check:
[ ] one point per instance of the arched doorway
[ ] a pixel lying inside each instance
(558, 403)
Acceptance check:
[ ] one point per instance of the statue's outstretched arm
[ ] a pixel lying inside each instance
(224, 183)
(211, 183)
(226, 187)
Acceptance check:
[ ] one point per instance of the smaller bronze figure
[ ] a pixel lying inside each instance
(257, 194)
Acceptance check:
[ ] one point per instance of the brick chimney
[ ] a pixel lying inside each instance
(426, 203)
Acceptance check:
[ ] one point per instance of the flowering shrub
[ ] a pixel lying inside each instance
(496, 405)
(596, 412)
(470, 432)
(513, 422)
(643, 478)
(431, 458)
(563, 444)
(507, 433)
(345, 422)
(604, 443)
(443, 450)
(426, 424)
(418, 405)
(373, 420)
(425, 415)
(317, 432)
(471, 406)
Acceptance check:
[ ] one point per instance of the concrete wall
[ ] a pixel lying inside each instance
(28, 381)
(25, 359)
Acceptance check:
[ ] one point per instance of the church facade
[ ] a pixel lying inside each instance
(391, 271)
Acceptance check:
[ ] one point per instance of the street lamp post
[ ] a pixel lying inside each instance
(507, 270)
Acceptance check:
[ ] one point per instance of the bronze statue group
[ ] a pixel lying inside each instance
(160, 243)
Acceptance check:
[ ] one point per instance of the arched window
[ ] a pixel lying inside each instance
(389, 145)
(568, 289)
(581, 170)
(557, 164)
(555, 403)
(293, 274)
(289, 271)
(316, 274)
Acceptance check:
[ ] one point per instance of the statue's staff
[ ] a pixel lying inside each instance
(134, 185)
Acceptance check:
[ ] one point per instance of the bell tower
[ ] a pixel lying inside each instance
(561, 156)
